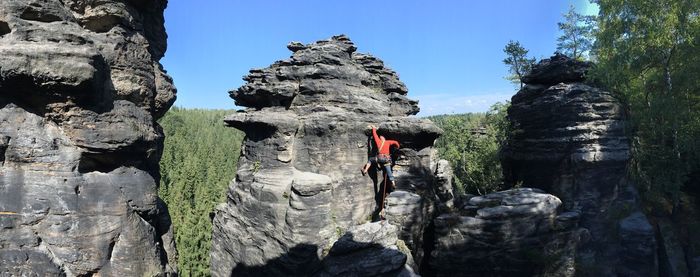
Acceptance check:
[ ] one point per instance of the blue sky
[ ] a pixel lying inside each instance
(449, 53)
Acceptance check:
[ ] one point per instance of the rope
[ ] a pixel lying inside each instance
(383, 195)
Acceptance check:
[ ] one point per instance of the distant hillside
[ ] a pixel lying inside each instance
(471, 143)
(199, 160)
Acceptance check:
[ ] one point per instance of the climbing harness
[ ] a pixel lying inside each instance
(383, 159)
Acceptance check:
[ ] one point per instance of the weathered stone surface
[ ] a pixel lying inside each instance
(370, 249)
(298, 185)
(81, 87)
(638, 247)
(695, 266)
(508, 233)
(557, 69)
(444, 177)
(569, 140)
(672, 251)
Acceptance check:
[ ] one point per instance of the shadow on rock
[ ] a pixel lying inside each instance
(370, 249)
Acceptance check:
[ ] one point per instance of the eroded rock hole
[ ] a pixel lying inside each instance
(102, 24)
(90, 162)
(4, 142)
(4, 28)
(37, 14)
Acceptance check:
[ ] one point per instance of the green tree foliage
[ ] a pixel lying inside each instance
(577, 34)
(518, 62)
(649, 54)
(199, 159)
(471, 143)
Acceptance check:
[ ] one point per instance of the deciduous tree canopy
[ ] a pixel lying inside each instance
(649, 54)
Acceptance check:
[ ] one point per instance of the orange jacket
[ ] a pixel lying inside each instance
(383, 149)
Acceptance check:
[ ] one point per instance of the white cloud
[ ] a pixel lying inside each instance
(434, 104)
(590, 8)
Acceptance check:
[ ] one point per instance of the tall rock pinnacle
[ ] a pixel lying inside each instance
(81, 88)
(569, 140)
(298, 188)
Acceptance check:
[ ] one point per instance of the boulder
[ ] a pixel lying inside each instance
(638, 255)
(370, 249)
(81, 88)
(508, 233)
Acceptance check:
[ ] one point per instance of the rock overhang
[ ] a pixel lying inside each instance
(306, 122)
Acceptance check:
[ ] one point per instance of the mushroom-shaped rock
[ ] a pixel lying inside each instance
(306, 139)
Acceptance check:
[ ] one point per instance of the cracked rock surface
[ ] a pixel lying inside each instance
(81, 88)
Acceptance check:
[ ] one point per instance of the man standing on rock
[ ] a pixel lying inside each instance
(384, 155)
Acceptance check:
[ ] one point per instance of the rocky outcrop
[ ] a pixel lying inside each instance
(516, 232)
(557, 69)
(298, 188)
(569, 140)
(370, 249)
(81, 88)
(638, 246)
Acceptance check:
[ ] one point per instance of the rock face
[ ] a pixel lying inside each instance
(370, 249)
(80, 89)
(569, 140)
(298, 187)
(557, 69)
(638, 246)
(516, 232)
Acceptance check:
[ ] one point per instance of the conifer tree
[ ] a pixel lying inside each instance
(518, 62)
(577, 34)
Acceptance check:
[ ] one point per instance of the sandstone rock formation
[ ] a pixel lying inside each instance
(81, 87)
(370, 249)
(569, 140)
(298, 188)
(516, 232)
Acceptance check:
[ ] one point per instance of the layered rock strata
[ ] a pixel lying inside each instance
(370, 249)
(81, 88)
(298, 187)
(517, 232)
(569, 140)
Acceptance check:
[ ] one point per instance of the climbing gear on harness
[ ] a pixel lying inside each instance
(383, 158)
